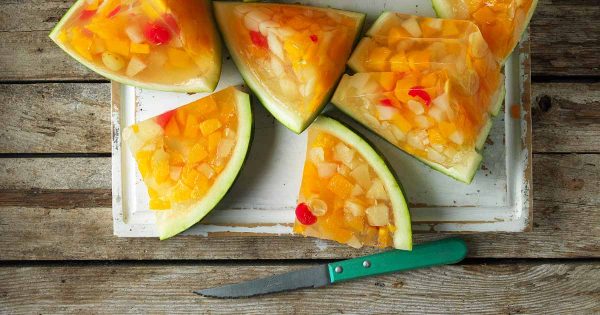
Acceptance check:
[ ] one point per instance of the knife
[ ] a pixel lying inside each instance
(442, 252)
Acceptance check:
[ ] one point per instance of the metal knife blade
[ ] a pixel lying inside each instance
(305, 278)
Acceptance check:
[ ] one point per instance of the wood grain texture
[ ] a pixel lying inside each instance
(75, 117)
(464, 289)
(565, 41)
(566, 203)
(566, 117)
(55, 118)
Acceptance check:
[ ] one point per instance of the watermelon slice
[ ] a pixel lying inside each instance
(348, 193)
(428, 86)
(291, 56)
(189, 157)
(502, 23)
(156, 44)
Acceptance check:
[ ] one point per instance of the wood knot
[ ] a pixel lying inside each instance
(544, 103)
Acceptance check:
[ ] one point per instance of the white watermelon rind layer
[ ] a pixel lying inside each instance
(169, 226)
(206, 84)
(287, 117)
(443, 9)
(403, 234)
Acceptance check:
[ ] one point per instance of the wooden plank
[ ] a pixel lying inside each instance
(564, 288)
(75, 117)
(566, 202)
(566, 117)
(55, 118)
(568, 27)
(565, 39)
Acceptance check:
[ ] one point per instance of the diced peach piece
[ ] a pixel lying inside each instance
(139, 48)
(172, 128)
(197, 154)
(340, 186)
(191, 127)
(160, 166)
(179, 58)
(378, 57)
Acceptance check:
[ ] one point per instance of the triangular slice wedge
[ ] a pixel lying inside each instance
(429, 86)
(502, 23)
(189, 157)
(348, 192)
(291, 56)
(154, 44)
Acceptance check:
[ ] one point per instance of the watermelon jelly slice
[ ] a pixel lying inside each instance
(348, 193)
(502, 23)
(156, 44)
(428, 86)
(291, 56)
(190, 156)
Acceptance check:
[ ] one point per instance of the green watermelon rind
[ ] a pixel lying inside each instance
(289, 119)
(443, 9)
(403, 234)
(207, 84)
(464, 174)
(169, 226)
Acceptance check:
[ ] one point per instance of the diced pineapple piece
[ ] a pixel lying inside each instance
(213, 141)
(378, 215)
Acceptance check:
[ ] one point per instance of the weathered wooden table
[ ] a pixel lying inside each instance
(58, 254)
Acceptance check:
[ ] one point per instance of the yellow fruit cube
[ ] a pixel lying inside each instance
(387, 80)
(396, 34)
(206, 106)
(159, 204)
(209, 126)
(191, 127)
(447, 128)
(176, 159)
(213, 141)
(435, 137)
(402, 123)
(189, 175)
(197, 154)
(118, 46)
(160, 166)
(340, 186)
(399, 63)
(181, 192)
(383, 237)
(378, 58)
(139, 48)
(201, 186)
(179, 58)
(143, 161)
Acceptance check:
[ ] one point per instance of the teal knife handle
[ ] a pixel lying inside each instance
(442, 252)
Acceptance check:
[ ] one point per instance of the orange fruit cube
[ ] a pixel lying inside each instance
(340, 186)
(209, 126)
